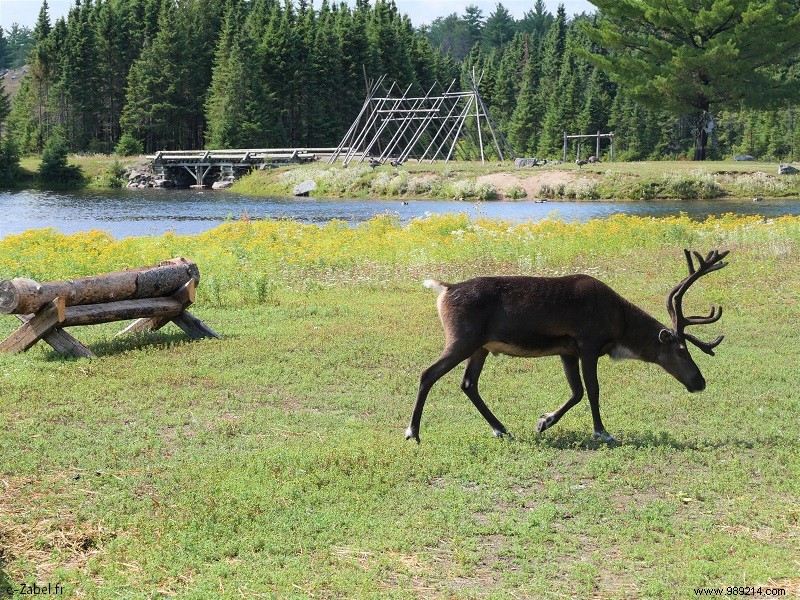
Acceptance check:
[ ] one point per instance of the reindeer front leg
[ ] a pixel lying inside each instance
(573, 374)
(589, 364)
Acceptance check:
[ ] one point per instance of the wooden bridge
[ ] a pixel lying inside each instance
(207, 166)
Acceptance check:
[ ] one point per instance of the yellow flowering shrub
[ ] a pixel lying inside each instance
(240, 261)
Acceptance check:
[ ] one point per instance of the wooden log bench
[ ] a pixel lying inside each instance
(154, 296)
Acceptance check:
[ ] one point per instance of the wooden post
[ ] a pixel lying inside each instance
(565, 148)
(597, 151)
(612, 146)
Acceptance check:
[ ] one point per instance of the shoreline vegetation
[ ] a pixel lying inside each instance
(472, 181)
(271, 462)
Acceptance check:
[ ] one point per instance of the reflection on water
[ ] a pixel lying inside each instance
(125, 213)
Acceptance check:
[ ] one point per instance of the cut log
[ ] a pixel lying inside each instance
(25, 296)
(122, 310)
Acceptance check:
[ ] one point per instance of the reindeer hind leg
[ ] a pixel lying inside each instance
(443, 365)
(470, 387)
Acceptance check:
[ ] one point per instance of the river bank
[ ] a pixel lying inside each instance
(474, 181)
(470, 181)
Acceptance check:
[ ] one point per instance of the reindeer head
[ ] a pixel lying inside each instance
(674, 356)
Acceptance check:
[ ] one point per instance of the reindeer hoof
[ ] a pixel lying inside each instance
(545, 421)
(412, 433)
(604, 436)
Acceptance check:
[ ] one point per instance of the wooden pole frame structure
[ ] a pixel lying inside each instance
(597, 137)
(437, 123)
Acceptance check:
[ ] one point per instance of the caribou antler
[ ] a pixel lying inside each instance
(712, 262)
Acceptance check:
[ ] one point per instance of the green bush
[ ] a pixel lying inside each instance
(113, 177)
(9, 162)
(516, 193)
(128, 146)
(54, 170)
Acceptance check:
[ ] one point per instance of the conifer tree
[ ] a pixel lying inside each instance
(499, 28)
(79, 82)
(9, 156)
(698, 59)
(152, 112)
(536, 21)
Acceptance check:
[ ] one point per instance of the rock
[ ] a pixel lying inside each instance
(743, 157)
(303, 189)
(787, 169)
(528, 162)
(163, 183)
(222, 185)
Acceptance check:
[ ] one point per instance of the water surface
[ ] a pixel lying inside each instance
(125, 213)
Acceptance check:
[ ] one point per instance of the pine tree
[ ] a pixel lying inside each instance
(78, 82)
(232, 108)
(153, 109)
(562, 110)
(118, 43)
(9, 156)
(499, 28)
(699, 59)
(53, 169)
(537, 21)
(597, 106)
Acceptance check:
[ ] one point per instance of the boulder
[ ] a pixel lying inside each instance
(222, 185)
(743, 157)
(528, 162)
(304, 188)
(787, 169)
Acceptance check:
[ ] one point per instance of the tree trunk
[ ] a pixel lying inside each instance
(702, 123)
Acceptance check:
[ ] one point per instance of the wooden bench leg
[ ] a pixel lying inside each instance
(194, 327)
(191, 325)
(44, 326)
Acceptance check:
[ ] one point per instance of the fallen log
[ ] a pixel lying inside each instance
(26, 296)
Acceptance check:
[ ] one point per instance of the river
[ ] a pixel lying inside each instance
(125, 213)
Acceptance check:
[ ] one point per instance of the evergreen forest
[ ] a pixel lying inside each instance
(144, 75)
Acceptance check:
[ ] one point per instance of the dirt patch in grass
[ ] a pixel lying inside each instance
(530, 181)
(35, 539)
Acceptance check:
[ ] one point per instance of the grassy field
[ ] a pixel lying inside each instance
(271, 463)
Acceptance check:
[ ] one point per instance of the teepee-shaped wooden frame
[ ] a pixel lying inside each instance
(395, 125)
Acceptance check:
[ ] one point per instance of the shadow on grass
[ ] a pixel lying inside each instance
(131, 343)
(6, 587)
(574, 440)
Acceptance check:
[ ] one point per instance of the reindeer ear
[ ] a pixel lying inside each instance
(665, 336)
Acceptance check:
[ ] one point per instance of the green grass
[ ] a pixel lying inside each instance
(271, 463)
(473, 181)
(100, 171)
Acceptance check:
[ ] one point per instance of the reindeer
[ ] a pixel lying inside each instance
(576, 317)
